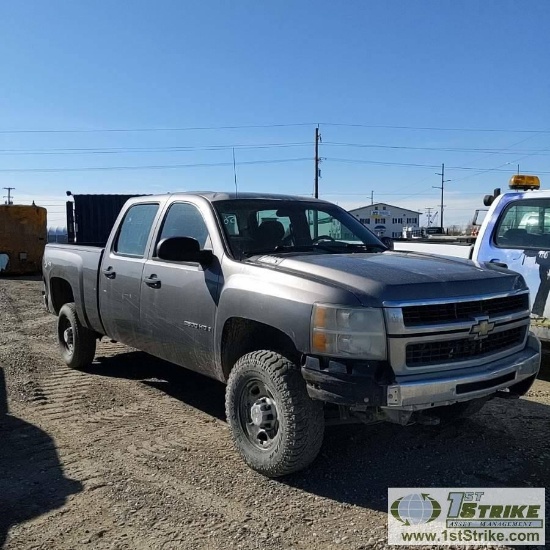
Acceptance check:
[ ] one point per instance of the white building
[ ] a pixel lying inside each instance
(386, 220)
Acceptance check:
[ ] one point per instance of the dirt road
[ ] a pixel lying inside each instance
(135, 453)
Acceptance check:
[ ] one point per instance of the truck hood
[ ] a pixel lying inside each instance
(399, 276)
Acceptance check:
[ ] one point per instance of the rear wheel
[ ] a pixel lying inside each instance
(277, 428)
(76, 342)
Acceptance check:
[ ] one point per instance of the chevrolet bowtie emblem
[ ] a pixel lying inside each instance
(481, 329)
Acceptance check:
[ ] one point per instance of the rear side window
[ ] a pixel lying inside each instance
(135, 229)
(525, 224)
(185, 220)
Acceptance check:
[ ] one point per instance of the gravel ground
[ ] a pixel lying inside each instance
(135, 453)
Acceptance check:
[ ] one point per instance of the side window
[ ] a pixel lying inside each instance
(185, 220)
(135, 229)
(525, 224)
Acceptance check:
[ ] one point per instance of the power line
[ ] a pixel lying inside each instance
(250, 162)
(496, 169)
(125, 150)
(180, 149)
(259, 126)
(136, 130)
(491, 151)
(500, 165)
(152, 167)
(416, 165)
(438, 128)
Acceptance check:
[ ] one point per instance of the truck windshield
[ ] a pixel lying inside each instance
(254, 226)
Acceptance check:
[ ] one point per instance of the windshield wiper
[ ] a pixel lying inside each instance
(278, 250)
(366, 247)
(333, 247)
(350, 247)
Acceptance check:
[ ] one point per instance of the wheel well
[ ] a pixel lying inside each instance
(61, 293)
(242, 336)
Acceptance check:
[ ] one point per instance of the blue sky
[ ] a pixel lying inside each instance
(398, 88)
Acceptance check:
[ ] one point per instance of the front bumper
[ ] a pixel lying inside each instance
(422, 393)
(345, 385)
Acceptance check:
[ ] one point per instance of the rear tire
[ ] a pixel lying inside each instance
(277, 428)
(76, 342)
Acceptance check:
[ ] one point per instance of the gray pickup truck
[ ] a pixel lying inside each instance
(304, 314)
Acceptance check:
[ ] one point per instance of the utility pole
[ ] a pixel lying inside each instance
(9, 190)
(443, 181)
(372, 198)
(429, 215)
(316, 188)
(317, 139)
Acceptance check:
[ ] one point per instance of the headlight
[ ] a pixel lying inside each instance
(348, 332)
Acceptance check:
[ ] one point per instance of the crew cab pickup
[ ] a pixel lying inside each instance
(300, 310)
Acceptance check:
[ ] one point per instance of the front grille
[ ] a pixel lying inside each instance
(449, 351)
(464, 311)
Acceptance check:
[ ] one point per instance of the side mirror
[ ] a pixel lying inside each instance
(183, 249)
(489, 199)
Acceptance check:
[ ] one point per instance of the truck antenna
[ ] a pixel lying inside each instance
(235, 174)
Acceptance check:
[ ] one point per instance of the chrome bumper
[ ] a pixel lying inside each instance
(412, 394)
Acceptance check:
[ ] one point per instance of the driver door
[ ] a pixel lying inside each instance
(179, 299)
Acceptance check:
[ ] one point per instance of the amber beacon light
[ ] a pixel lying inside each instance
(524, 182)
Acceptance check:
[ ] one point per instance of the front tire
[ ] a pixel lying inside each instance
(76, 342)
(277, 428)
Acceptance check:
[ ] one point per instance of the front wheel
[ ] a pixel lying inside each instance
(277, 428)
(76, 342)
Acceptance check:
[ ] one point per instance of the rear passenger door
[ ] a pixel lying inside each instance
(178, 299)
(121, 273)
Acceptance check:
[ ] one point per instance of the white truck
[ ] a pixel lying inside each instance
(516, 233)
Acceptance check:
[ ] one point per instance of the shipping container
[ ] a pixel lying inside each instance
(90, 218)
(23, 236)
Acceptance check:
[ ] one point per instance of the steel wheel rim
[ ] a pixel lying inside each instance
(259, 415)
(66, 334)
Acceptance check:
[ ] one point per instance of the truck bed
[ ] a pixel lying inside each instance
(79, 265)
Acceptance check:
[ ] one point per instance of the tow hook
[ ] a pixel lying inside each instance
(397, 416)
(506, 395)
(406, 417)
(427, 420)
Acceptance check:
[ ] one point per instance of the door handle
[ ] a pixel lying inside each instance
(152, 281)
(109, 273)
(496, 261)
